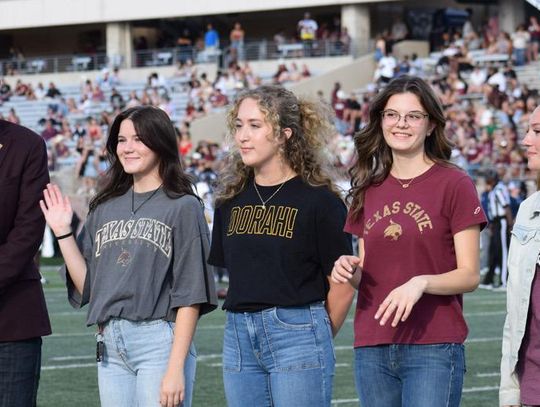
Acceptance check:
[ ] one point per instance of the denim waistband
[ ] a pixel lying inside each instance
(116, 320)
(313, 306)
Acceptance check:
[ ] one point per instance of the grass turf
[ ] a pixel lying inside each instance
(69, 374)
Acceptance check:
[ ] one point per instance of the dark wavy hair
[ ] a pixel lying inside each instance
(311, 123)
(155, 130)
(374, 157)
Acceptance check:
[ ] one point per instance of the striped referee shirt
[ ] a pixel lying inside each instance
(499, 200)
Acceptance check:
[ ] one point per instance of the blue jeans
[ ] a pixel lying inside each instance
(520, 56)
(410, 375)
(280, 357)
(135, 360)
(20, 364)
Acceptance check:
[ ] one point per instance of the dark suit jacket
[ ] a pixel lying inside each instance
(23, 176)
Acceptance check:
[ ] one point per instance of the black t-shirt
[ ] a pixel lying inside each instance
(52, 93)
(280, 255)
(5, 89)
(353, 104)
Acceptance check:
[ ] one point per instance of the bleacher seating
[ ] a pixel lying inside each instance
(31, 112)
(480, 57)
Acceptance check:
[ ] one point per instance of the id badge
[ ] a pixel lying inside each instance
(100, 347)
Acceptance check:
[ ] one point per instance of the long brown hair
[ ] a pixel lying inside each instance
(155, 130)
(374, 157)
(304, 151)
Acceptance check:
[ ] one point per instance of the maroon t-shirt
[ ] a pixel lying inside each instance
(409, 232)
(339, 108)
(528, 368)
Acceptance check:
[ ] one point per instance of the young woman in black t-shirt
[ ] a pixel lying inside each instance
(278, 229)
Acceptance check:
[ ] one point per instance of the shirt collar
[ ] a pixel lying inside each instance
(535, 208)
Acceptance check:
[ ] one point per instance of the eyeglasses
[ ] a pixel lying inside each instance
(391, 117)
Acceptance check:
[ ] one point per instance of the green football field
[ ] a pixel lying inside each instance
(68, 375)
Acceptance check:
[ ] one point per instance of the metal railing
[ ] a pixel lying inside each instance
(248, 51)
(53, 64)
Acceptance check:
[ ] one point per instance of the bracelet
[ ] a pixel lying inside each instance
(64, 236)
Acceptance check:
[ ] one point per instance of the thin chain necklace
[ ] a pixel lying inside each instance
(133, 209)
(405, 184)
(271, 196)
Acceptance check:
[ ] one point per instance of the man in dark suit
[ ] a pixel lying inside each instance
(23, 312)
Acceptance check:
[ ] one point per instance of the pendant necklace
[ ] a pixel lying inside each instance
(133, 209)
(263, 202)
(405, 184)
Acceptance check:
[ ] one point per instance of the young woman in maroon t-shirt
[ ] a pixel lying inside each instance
(418, 221)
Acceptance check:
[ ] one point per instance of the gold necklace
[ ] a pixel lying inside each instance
(405, 184)
(271, 196)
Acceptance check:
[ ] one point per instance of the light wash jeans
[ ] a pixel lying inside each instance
(410, 375)
(135, 360)
(280, 357)
(520, 56)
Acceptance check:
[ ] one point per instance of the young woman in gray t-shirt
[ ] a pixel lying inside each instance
(139, 264)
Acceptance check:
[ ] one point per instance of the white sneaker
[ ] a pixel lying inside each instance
(486, 286)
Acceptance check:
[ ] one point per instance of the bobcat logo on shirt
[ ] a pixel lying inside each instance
(393, 231)
(124, 259)
(413, 210)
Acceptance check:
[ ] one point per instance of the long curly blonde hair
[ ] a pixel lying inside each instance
(304, 151)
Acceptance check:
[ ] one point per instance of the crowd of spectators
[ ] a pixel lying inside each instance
(211, 42)
(27, 91)
(520, 46)
(205, 95)
(484, 128)
(202, 43)
(485, 104)
(75, 125)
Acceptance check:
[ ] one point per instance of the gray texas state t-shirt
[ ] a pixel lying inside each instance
(144, 266)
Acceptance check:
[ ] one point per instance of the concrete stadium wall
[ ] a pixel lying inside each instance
(126, 75)
(420, 48)
(17, 14)
(47, 13)
(315, 65)
(264, 68)
(351, 76)
(212, 127)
